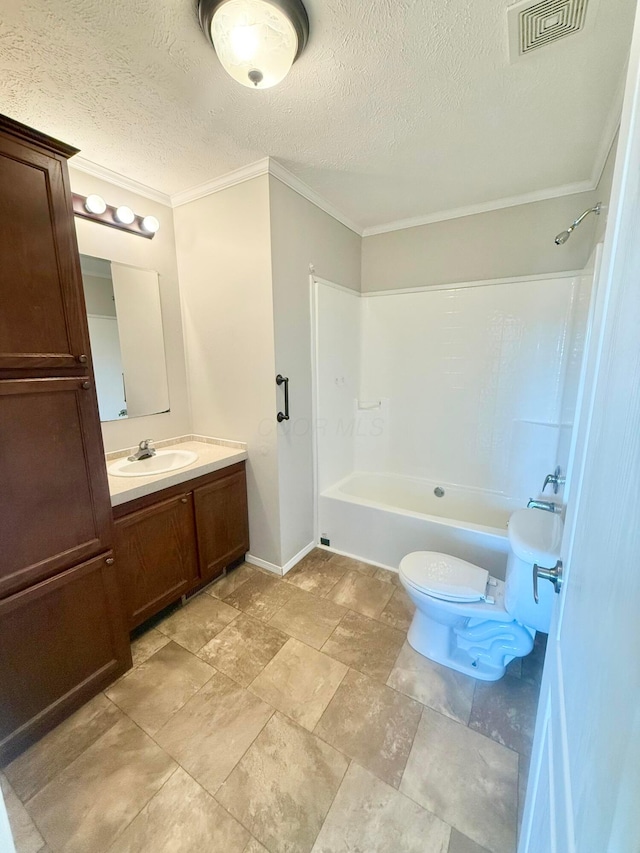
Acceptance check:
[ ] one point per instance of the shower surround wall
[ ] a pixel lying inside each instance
(461, 385)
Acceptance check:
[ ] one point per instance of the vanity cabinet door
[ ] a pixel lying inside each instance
(55, 509)
(61, 641)
(222, 523)
(42, 322)
(157, 561)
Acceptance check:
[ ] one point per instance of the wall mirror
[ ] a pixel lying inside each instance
(127, 341)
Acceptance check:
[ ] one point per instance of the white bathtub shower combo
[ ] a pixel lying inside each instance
(438, 413)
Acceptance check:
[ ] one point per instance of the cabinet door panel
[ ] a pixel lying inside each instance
(222, 523)
(156, 556)
(55, 509)
(42, 322)
(61, 641)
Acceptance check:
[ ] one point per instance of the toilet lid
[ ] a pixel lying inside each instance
(444, 576)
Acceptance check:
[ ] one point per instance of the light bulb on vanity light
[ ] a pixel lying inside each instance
(95, 204)
(150, 224)
(125, 215)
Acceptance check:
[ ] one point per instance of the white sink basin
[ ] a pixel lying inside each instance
(163, 462)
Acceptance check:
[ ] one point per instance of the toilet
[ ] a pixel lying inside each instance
(472, 622)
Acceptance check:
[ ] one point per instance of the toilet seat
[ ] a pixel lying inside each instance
(444, 577)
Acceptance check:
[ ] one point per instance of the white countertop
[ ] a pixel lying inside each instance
(213, 454)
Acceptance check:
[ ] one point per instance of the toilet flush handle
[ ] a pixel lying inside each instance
(554, 575)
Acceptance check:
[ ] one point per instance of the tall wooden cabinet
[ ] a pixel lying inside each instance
(62, 632)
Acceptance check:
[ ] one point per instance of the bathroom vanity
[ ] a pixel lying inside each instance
(177, 531)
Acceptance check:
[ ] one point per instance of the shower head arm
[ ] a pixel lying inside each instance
(595, 209)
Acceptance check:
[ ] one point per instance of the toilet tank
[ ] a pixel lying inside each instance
(535, 536)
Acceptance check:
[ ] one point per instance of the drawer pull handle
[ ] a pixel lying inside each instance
(183, 500)
(109, 561)
(83, 359)
(85, 386)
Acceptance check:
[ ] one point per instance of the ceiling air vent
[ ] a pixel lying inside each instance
(534, 25)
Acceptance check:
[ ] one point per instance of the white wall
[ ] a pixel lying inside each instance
(301, 234)
(339, 338)
(224, 258)
(158, 254)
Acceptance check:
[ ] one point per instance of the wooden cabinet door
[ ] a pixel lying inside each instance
(55, 509)
(42, 320)
(157, 561)
(61, 642)
(222, 523)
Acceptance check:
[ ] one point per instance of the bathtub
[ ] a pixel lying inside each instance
(381, 517)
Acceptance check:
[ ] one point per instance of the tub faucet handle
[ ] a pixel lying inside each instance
(556, 480)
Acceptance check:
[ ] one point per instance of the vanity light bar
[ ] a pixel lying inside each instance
(94, 207)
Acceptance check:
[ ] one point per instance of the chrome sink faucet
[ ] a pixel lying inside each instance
(548, 506)
(144, 451)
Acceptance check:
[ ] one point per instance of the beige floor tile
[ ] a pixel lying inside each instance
(439, 687)
(211, 733)
(26, 837)
(32, 770)
(369, 816)
(193, 625)
(308, 618)
(388, 577)
(399, 611)
(156, 689)
(228, 584)
(365, 645)
(300, 682)
(466, 779)
(254, 846)
(89, 804)
(373, 724)
(349, 564)
(147, 644)
(243, 649)
(283, 787)
(505, 711)
(363, 594)
(459, 843)
(261, 596)
(182, 818)
(315, 575)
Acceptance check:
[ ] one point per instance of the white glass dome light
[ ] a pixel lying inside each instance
(125, 215)
(95, 204)
(257, 41)
(150, 224)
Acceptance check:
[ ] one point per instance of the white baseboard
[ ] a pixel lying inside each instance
(356, 557)
(296, 559)
(263, 564)
(280, 570)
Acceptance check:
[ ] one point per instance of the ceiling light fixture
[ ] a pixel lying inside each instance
(257, 41)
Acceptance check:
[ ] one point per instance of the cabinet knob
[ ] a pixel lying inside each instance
(85, 386)
(109, 561)
(183, 500)
(83, 359)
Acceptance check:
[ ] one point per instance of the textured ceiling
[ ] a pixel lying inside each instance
(397, 108)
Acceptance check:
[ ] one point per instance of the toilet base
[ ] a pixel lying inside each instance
(479, 648)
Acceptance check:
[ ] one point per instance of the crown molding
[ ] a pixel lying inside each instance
(277, 170)
(216, 185)
(104, 174)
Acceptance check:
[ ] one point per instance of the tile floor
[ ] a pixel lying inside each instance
(289, 715)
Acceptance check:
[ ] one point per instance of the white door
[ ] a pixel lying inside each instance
(584, 783)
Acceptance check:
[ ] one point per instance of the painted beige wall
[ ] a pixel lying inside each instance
(513, 241)
(158, 254)
(301, 234)
(224, 261)
(603, 190)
